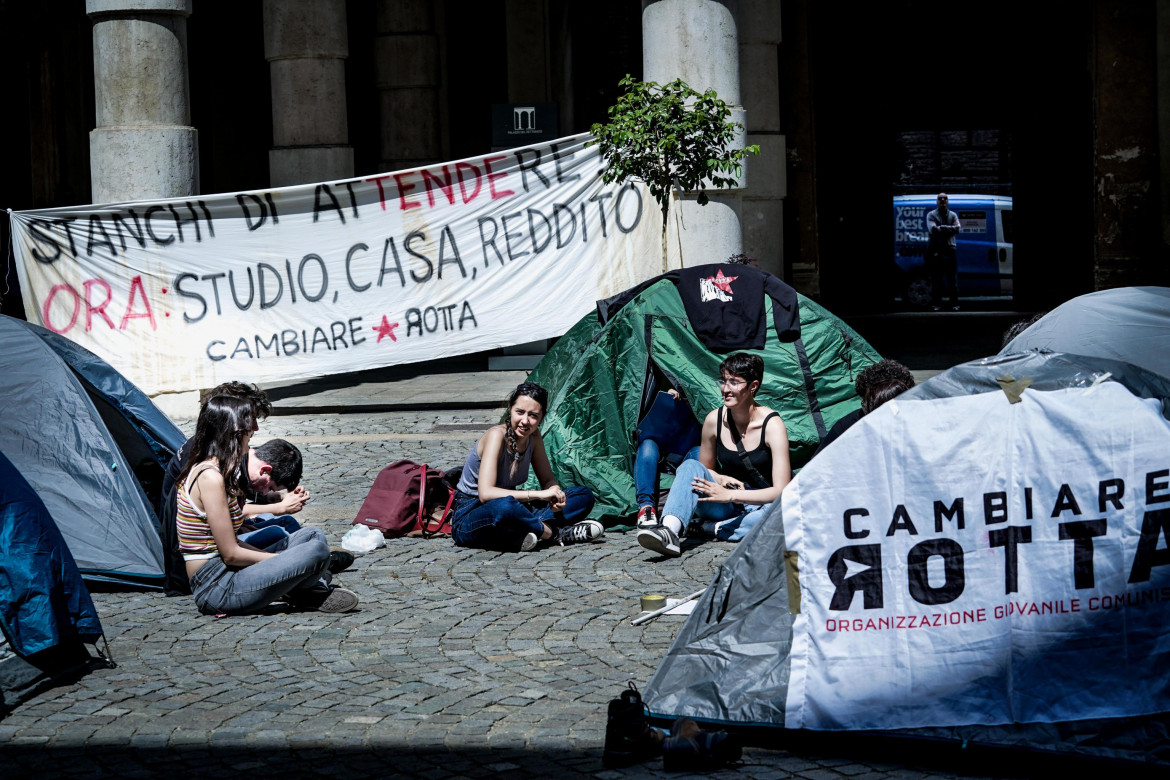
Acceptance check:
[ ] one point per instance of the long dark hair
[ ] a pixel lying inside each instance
(533, 391)
(223, 423)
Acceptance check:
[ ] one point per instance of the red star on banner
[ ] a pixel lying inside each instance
(385, 329)
(722, 282)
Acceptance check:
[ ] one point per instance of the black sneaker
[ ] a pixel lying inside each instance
(584, 531)
(339, 560)
(323, 598)
(661, 540)
(339, 600)
(629, 737)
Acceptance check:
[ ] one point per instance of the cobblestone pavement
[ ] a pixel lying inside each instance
(459, 662)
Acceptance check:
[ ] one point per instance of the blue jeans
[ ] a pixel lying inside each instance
(267, 519)
(646, 472)
(263, 538)
(270, 529)
(298, 571)
(502, 523)
(683, 503)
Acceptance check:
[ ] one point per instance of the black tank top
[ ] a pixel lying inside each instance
(731, 465)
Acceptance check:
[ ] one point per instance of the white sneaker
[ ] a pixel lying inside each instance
(584, 531)
(529, 542)
(661, 540)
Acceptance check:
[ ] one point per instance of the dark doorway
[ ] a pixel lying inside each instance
(1002, 89)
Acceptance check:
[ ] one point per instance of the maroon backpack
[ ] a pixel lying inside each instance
(408, 499)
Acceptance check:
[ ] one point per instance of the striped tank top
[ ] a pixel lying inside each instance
(195, 540)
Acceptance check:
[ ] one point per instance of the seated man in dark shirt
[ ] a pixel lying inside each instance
(267, 471)
(876, 384)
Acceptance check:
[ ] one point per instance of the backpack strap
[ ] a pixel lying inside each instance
(752, 471)
(437, 528)
(422, 495)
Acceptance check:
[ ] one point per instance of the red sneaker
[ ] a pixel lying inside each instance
(647, 517)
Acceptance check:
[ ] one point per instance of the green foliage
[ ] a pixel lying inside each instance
(670, 136)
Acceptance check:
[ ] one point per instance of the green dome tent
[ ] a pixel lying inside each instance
(601, 374)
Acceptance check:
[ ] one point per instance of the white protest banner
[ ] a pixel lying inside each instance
(318, 279)
(971, 561)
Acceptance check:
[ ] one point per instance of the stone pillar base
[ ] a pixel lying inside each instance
(133, 163)
(709, 234)
(309, 164)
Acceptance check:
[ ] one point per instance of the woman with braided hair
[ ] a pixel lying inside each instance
(491, 513)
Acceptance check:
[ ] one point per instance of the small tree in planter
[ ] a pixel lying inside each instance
(670, 136)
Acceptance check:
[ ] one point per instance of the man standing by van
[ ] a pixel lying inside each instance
(943, 225)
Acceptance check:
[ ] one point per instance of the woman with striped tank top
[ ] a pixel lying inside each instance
(229, 576)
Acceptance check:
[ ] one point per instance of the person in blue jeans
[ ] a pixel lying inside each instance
(742, 467)
(228, 576)
(668, 434)
(491, 513)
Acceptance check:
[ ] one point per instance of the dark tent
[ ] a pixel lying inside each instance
(1130, 324)
(92, 446)
(601, 375)
(983, 559)
(46, 614)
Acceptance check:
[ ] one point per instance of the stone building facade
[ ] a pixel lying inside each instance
(1068, 112)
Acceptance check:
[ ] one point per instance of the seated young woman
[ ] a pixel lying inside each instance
(491, 513)
(742, 467)
(229, 576)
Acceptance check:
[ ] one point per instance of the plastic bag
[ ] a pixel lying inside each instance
(362, 538)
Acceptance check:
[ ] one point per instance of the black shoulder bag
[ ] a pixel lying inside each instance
(753, 472)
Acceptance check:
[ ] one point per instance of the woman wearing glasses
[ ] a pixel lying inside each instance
(492, 513)
(742, 467)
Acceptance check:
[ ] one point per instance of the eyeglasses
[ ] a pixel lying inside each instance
(734, 384)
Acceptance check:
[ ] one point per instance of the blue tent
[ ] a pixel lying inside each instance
(45, 610)
(92, 446)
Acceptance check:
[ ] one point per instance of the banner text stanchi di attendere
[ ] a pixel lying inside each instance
(326, 278)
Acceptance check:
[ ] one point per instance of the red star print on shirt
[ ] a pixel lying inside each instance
(723, 282)
(386, 328)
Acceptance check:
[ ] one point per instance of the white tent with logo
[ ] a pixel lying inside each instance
(985, 558)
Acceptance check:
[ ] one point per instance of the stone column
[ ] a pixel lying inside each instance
(406, 66)
(305, 44)
(143, 145)
(763, 201)
(697, 41)
(1126, 169)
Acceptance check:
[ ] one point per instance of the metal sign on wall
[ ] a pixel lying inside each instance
(520, 124)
